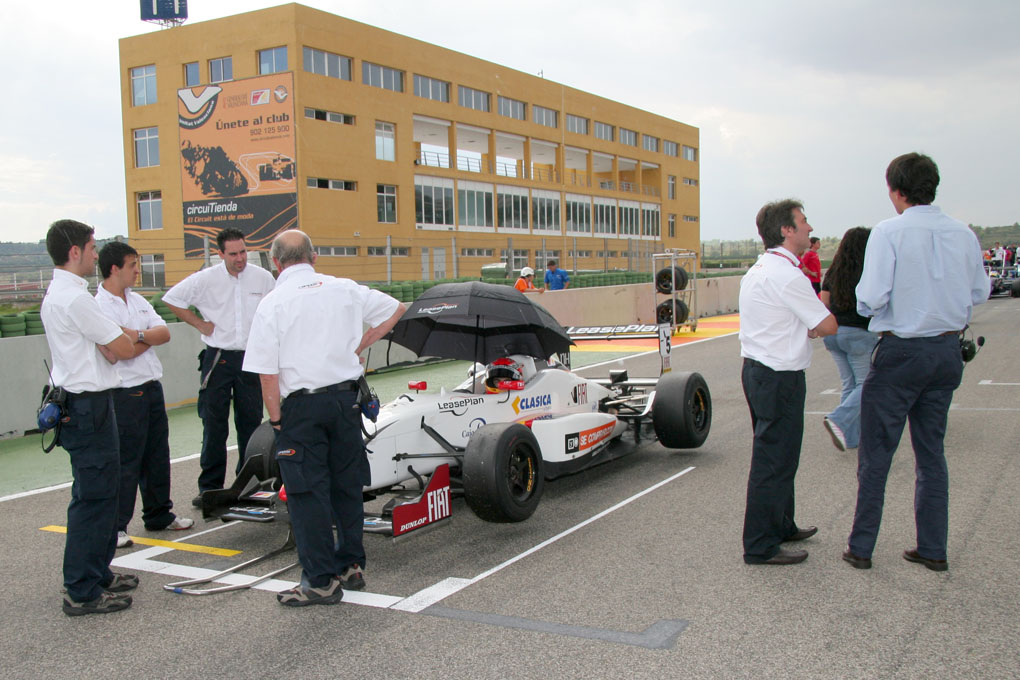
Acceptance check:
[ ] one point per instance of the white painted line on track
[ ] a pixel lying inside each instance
(652, 351)
(440, 591)
(989, 382)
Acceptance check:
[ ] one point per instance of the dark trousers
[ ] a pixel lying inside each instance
(324, 467)
(910, 378)
(144, 455)
(776, 400)
(89, 435)
(227, 383)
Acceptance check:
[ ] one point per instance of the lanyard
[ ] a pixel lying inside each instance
(776, 252)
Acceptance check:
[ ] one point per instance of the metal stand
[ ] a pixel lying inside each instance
(688, 294)
(182, 587)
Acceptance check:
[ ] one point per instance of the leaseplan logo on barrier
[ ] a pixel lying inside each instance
(528, 403)
(200, 106)
(438, 309)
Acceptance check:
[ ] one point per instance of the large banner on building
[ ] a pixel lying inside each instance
(237, 159)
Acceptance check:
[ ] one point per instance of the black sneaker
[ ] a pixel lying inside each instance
(104, 604)
(302, 597)
(197, 501)
(122, 583)
(353, 578)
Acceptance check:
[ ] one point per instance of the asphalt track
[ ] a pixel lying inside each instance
(632, 569)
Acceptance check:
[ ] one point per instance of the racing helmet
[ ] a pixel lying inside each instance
(501, 369)
(527, 271)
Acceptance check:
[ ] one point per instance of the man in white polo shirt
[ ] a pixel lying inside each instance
(84, 345)
(142, 424)
(779, 314)
(227, 295)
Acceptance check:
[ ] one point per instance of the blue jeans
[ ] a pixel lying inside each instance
(851, 349)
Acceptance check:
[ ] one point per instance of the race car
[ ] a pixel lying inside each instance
(1005, 280)
(517, 421)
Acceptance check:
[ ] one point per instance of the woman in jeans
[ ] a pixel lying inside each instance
(853, 343)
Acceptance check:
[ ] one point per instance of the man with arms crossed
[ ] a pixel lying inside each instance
(779, 313)
(227, 295)
(84, 345)
(305, 343)
(923, 274)
(142, 424)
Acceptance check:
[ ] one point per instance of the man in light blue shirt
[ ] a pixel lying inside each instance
(922, 276)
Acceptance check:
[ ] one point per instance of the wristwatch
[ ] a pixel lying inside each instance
(141, 336)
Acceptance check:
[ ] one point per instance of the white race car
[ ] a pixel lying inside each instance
(495, 439)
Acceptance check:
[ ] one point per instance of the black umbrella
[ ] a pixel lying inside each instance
(478, 322)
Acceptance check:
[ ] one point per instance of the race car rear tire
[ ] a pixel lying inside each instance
(682, 410)
(502, 473)
(1014, 288)
(262, 446)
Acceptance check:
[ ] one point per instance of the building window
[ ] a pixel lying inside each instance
(520, 258)
(669, 148)
(143, 85)
(474, 204)
(649, 143)
(382, 76)
(273, 60)
(606, 253)
(337, 251)
(431, 88)
(604, 216)
(146, 147)
(546, 117)
(690, 218)
(580, 254)
(511, 108)
(671, 187)
(380, 251)
(477, 252)
(472, 98)
(331, 116)
(385, 141)
(672, 226)
(150, 210)
(433, 200)
(690, 153)
(630, 216)
(386, 203)
(545, 210)
(511, 207)
(221, 70)
(690, 182)
(336, 184)
(577, 124)
(327, 64)
(628, 137)
(578, 209)
(153, 271)
(650, 219)
(604, 131)
(191, 76)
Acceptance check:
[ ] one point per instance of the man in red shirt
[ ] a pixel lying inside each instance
(812, 266)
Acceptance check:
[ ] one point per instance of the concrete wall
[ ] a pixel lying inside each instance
(25, 375)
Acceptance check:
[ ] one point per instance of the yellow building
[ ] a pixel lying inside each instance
(402, 160)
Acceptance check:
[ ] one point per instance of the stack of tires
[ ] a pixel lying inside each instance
(33, 323)
(162, 309)
(12, 325)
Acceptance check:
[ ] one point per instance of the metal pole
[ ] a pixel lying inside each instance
(509, 257)
(574, 254)
(205, 250)
(605, 254)
(456, 259)
(389, 259)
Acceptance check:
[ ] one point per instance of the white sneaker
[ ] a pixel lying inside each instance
(123, 540)
(180, 524)
(838, 439)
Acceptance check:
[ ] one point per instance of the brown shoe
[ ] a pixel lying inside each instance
(781, 557)
(934, 565)
(855, 561)
(806, 532)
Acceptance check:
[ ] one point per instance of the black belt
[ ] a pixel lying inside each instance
(345, 386)
(226, 351)
(88, 395)
(885, 334)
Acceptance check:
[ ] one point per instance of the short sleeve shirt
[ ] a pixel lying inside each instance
(307, 330)
(133, 312)
(75, 326)
(777, 309)
(556, 280)
(228, 301)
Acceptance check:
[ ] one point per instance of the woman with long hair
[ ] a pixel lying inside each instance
(853, 343)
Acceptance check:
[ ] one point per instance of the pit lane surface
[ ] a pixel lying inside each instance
(654, 588)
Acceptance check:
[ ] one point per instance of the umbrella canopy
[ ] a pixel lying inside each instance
(478, 322)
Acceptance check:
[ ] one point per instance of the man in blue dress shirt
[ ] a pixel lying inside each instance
(922, 276)
(556, 278)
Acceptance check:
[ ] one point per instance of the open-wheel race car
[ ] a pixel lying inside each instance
(1005, 279)
(520, 418)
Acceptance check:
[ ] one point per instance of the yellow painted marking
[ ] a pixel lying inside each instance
(186, 547)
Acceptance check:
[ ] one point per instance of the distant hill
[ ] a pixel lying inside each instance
(1005, 235)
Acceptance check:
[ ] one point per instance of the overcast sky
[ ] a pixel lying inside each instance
(792, 97)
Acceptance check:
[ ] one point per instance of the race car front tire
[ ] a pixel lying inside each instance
(1014, 288)
(682, 410)
(502, 473)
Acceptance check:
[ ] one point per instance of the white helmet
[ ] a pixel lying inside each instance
(527, 271)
